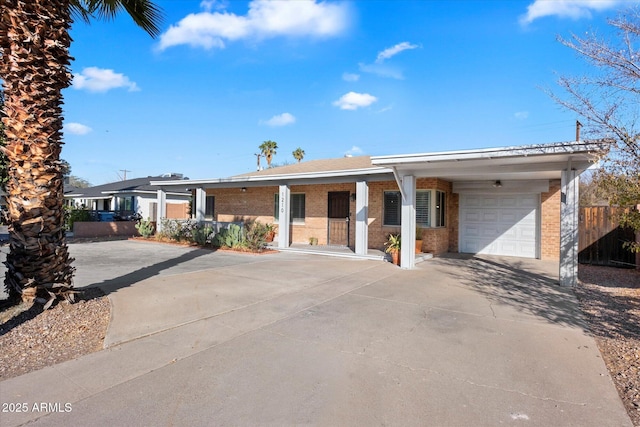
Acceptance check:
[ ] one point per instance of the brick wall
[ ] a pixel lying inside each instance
(550, 222)
(436, 240)
(178, 211)
(257, 203)
(102, 229)
(454, 221)
(232, 204)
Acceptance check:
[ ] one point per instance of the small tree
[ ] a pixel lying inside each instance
(298, 154)
(268, 150)
(609, 101)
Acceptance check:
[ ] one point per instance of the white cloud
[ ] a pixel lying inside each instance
(280, 120)
(350, 77)
(264, 19)
(521, 115)
(394, 50)
(354, 151)
(96, 79)
(210, 5)
(574, 9)
(382, 70)
(77, 128)
(354, 100)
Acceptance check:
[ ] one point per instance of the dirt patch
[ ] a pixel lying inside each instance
(32, 339)
(610, 300)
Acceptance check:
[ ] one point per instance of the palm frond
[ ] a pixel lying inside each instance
(144, 13)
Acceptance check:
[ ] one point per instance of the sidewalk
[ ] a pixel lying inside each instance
(298, 339)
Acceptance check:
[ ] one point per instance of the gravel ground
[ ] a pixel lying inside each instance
(31, 339)
(610, 298)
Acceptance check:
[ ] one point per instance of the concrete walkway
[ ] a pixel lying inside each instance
(216, 338)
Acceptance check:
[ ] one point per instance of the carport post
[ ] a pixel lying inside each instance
(408, 223)
(162, 208)
(201, 197)
(362, 217)
(284, 212)
(569, 227)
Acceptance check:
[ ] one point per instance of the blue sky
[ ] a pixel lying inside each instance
(332, 77)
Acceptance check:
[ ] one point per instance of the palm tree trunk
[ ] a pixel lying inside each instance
(34, 37)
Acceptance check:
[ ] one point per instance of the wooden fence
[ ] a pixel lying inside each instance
(601, 239)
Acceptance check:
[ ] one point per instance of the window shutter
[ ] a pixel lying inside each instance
(391, 208)
(423, 205)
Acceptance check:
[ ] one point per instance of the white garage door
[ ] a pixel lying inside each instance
(499, 225)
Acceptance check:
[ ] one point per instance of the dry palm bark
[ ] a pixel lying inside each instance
(34, 38)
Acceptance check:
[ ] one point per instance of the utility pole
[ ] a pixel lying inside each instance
(125, 174)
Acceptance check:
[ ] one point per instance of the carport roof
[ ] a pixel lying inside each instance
(542, 161)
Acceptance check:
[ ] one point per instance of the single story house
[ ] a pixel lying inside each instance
(131, 196)
(516, 201)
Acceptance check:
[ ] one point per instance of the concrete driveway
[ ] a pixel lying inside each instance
(217, 338)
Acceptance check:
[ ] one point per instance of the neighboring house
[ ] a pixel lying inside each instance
(132, 196)
(515, 201)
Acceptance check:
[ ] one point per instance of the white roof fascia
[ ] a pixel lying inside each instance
(490, 153)
(279, 177)
(80, 196)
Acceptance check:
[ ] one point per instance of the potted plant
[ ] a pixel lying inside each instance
(271, 232)
(419, 232)
(392, 247)
(313, 241)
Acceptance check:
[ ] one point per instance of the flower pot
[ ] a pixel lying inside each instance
(418, 246)
(270, 236)
(395, 257)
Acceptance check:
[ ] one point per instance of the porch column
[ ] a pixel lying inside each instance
(362, 217)
(569, 227)
(408, 223)
(162, 208)
(201, 197)
(284, 212)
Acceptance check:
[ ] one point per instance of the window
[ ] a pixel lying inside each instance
(297, 208)
(392, 208)
(209, 205)
(423, 208)
(440, 209)
(125, 204)
(430, 208)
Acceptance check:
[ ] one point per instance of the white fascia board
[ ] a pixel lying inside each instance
(579, 147)
(80, 196)
(279, 177)
(534, 186)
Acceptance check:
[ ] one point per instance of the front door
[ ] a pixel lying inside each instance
(338, 214)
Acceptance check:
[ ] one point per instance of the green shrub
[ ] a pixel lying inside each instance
(202, 234)
(232, 237)
(73, 215)
(178, 229)
(256, 233)
(145, 228)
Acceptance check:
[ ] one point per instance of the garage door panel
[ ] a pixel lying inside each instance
(507, 202)
(490, 216)
(499, 225)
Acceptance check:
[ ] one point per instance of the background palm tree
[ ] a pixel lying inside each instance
(35, 69)
(298, 154)
(268, 149)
